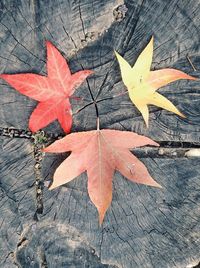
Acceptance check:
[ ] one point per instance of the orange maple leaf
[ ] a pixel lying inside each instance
(100, 153)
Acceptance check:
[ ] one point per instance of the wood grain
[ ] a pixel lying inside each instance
(24, 29)
(158, 226)
(17, 195)
(144, 227)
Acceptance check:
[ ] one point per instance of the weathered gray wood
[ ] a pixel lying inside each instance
(17, 195)
(24, 28)
(144, 227)
(25, 241)
(174, 24)
(168, 217)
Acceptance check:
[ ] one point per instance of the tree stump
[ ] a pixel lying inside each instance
(144, 227)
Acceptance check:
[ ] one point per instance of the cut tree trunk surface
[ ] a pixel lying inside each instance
(144, 227)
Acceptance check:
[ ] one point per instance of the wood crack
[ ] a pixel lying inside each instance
(80, 14)
(167, 149)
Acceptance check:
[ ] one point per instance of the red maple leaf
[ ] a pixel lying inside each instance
(52, 91)
(100, 153)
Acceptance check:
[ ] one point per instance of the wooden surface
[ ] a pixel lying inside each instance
(144, 227)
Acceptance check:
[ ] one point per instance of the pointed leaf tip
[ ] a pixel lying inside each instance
(155, 144)
(117, 55)
(44, 150)
(32, 129)
(101, 216)
(182, 115)
(52, 187)
(100, 221)
(157, 185)
(152, 39)
(47, 42)
(89, 72)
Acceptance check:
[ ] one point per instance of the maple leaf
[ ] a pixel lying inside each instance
(100, 153)
(143, 83)
(52, 91)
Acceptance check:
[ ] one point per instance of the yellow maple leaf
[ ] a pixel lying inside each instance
(143, 83)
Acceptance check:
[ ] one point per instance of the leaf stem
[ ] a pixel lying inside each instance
(98, 125)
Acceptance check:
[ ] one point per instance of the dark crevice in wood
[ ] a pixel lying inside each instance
(21, 242)
(21, 44)
(38, 178)
(43, 259)
(10, 254)
(15, 133)
(68, 35)
(166, 152)
(43, 138)
(82, 108)
(40, 140)
(80, 14)
(93, 100)
(176, 144)
(11, 132)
